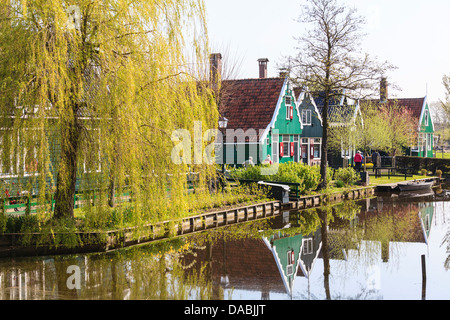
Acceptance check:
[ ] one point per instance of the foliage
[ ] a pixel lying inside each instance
(385, 127)
(339, 184)
(99, 87)
(292, 172)
(307, 176)
(445, 105)
(249, 173)
(348, 176)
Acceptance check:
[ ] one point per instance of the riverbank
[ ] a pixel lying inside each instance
(13, 244)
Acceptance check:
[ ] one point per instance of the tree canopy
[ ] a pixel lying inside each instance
(94, 89)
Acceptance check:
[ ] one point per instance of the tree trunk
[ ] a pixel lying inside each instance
(112, 192)
(67, 170)
(325, 251)
(324, 155)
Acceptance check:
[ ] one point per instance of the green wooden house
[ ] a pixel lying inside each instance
(425, 128)
(311, 137)
(262, 119)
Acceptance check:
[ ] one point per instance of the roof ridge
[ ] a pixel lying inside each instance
(261, 79)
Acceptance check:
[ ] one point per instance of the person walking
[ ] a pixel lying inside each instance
(358, 160)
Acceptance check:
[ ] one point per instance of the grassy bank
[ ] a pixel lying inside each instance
(103, 218)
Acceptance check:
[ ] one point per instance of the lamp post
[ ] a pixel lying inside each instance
(223, 123)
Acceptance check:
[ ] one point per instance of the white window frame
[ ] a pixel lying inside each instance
(306, 117)
(275, 148)
(286, 139)
(288, 105)
(308, 246)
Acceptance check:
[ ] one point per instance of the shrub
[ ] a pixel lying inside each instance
(293, 172)
(250, 173)
(339, 183)
(347, 175)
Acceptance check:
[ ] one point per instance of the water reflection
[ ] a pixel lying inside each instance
(356, 250)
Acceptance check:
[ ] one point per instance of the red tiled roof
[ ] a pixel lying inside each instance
(248, 263)
(414, 105)
(250, 103)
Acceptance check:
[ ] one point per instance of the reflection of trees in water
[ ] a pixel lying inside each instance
(147, 272)
(359, 236)
(364, 237)
(447, 240)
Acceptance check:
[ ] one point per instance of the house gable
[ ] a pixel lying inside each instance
(313, 127)
(426, 124)
(286, 118)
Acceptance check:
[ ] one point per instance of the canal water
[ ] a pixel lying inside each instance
(391, 246)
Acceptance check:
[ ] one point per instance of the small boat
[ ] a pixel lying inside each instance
(415, 185)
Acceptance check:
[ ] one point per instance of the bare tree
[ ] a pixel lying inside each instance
(330, 61)
(446, 104)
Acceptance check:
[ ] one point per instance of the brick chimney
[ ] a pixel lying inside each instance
(263, 67)
(383, 90)
(215, 68)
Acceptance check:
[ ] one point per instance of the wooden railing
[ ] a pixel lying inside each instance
(27, 204)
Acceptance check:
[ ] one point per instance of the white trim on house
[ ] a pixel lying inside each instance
(271, 125)
(302, 97)
(422, 113)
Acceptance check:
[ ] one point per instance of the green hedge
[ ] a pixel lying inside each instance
(292, 172)
(416, 164)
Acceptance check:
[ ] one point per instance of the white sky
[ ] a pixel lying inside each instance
(411, 34)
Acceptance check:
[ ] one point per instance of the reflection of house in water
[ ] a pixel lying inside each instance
(294, 255)
(268, 264)
(426, 217)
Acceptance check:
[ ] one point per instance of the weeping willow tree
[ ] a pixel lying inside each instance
(91, 92)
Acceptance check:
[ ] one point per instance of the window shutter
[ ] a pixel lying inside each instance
(292, 149)
(281, 149)
(291, 113)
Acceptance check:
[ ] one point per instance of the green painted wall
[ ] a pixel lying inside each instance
(315, 129)
(283, 246)
(284, 126)
(426, 132)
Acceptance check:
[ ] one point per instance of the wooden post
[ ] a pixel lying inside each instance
(424, 278)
